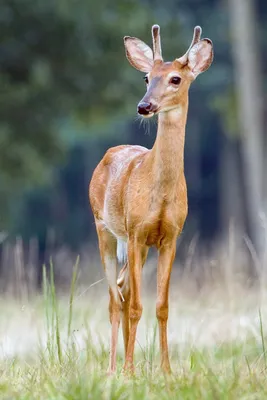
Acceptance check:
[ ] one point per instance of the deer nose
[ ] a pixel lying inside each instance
(144, 108)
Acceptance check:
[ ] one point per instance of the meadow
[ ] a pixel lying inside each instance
(55, 345)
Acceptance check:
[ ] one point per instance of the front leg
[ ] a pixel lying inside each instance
(136, 258)
(166, 257)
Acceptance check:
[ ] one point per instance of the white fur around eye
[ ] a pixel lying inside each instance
(172, 74)
(170, 87)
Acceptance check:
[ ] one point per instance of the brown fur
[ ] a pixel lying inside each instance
(140, 195)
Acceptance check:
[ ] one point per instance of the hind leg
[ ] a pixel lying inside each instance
(108, 248)
(124, 285)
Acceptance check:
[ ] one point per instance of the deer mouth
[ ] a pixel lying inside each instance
(146, 110)
(150, 114)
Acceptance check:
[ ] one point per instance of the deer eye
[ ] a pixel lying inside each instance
(175, 80)
(146, 79)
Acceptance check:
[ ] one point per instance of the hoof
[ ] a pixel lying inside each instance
(111, 372)
(128, 369)
(166, 369)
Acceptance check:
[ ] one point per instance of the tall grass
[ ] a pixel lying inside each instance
(72, 365)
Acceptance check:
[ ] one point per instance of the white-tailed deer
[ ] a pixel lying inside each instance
(139, 196)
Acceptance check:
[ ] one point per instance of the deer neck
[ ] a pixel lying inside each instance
(167, 154)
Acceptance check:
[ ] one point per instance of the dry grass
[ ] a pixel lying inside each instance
(217, 326)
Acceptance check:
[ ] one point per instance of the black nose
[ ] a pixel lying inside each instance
(144, 108)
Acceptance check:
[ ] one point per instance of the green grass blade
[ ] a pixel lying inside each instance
(55, 313)
(72, 290)
(262, 339)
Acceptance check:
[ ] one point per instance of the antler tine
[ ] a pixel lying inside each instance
(156, 42)
(196, 39)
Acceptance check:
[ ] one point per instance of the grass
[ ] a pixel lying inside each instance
(228, 372)
(67, 364)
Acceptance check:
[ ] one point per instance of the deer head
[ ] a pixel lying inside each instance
(167, 82)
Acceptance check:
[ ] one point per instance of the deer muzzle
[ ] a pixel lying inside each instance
(146, 108)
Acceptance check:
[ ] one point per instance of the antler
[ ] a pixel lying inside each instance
(156, 42)
(196, 38)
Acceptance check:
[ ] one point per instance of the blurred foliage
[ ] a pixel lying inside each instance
(59, 60)
(56, 60)
(68, 93)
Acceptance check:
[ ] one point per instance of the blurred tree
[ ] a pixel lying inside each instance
(68, 90)
(75, 59)
(57, 60)
(250, 111)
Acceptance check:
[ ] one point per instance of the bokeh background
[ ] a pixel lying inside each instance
(68, 94)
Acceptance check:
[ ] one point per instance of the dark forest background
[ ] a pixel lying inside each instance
(68, 94)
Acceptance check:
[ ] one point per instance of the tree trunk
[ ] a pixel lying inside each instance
(250, 99)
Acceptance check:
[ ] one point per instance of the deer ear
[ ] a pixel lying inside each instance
(200, 57)
(139, 54)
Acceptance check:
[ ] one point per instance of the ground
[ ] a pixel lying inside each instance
(56, 346)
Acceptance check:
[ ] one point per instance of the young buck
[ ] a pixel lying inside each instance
(139, 196)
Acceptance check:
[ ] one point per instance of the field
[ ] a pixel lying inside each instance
(55, 346)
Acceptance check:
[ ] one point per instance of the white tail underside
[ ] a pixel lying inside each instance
(121, 251)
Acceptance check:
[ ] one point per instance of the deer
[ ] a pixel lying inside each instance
(139, 196)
